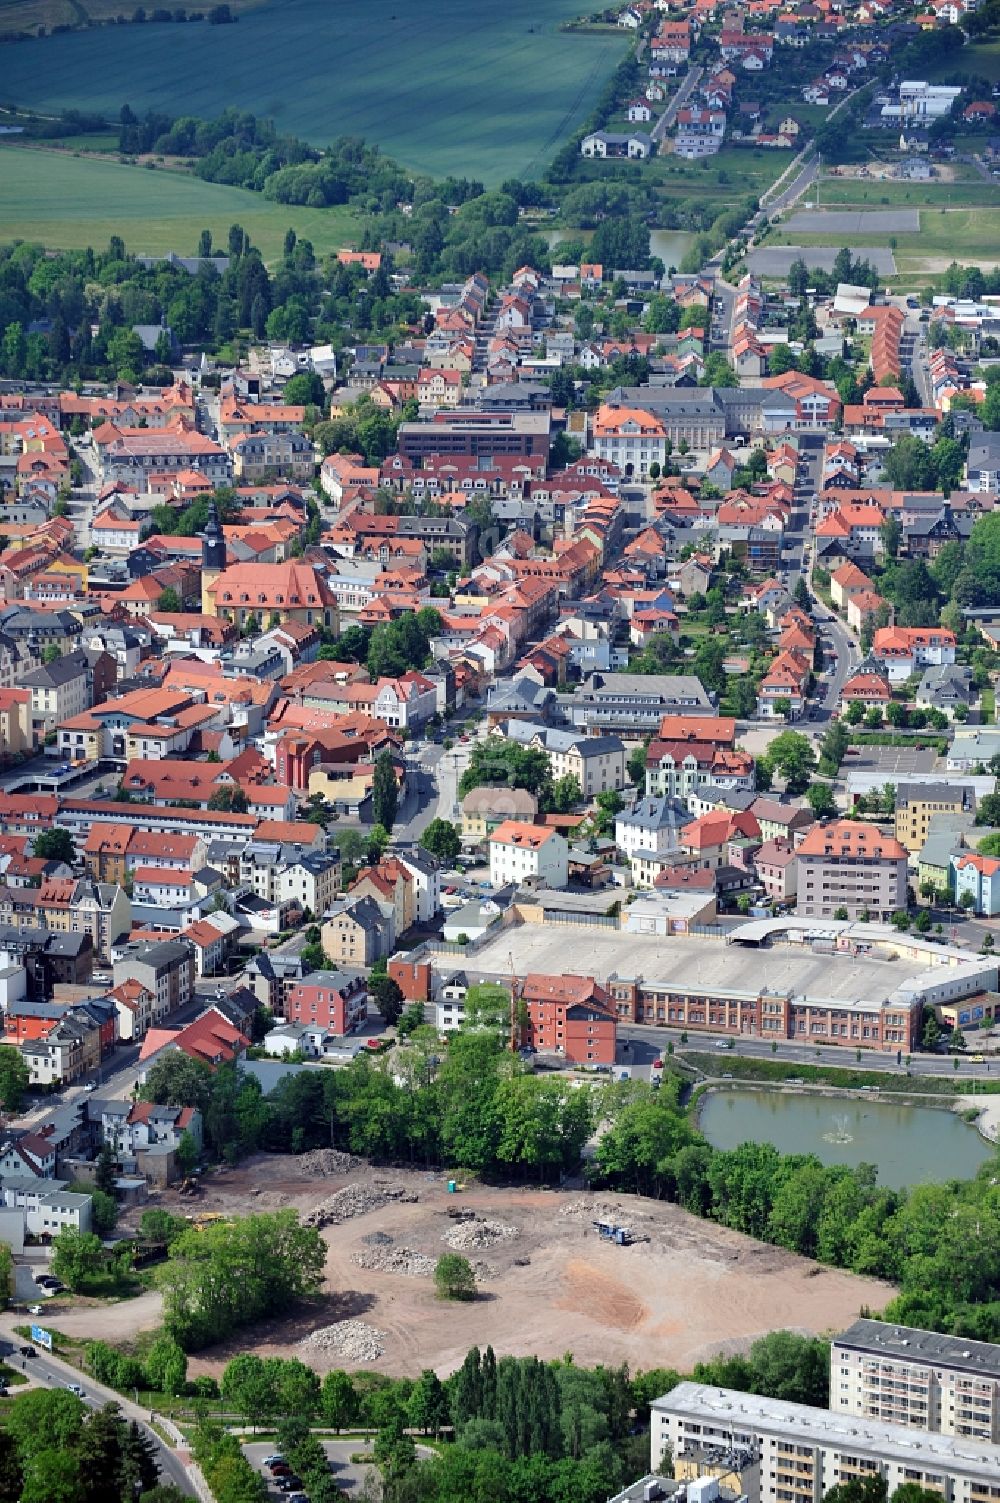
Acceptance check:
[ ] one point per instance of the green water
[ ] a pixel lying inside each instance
(910, 1144)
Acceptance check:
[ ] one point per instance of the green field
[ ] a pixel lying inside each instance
(68, 202)
(445, 86)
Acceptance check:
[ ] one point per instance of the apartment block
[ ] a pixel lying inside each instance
(917, 804)
(904, 1376)
(802, 1452)
(851, 866)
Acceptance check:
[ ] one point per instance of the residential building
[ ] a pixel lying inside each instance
(776, 864)
(59, 690)
(356, 933)
(528, 853)
(630, 438)
(652, 825)
(922, 1380)
(803, 1452)
(918, 803)
(978, 878)
(569, 1016)
(597, 762)
(847, 865)
(336, 1001)
(484, 808)
(901, 650)
(166, 968)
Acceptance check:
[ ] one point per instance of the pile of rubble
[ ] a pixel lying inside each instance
(475, 1234)
(396, 1260)
(352, 1339)
(327, 1163)
(355, 1200)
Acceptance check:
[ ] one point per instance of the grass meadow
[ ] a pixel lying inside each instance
(445, 86)
(70, 202)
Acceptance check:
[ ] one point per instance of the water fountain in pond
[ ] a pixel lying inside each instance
(841, 1133)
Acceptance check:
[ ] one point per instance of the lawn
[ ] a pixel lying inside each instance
(866, 193)
(457, 86)
(18, 16)
(69, 202)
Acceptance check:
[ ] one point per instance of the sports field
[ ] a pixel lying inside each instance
(445, 86)
(69, 202)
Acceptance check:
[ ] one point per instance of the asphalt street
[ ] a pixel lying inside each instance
(49, 1371)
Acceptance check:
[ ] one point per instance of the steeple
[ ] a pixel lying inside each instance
(213, 547)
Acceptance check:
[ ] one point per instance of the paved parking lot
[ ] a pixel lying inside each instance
(892, 762)
(775, 260)
(349, 1476)
(853, 221)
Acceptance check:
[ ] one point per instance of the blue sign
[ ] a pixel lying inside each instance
(978, 1013)
(963, 1017)
(41, 1337)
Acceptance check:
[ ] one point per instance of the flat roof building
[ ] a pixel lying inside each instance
(920, 1379)
(804, 1452)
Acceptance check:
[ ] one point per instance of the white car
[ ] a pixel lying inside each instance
(34, 1309)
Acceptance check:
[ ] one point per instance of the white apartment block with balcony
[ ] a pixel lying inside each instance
(802, 1452)
(905, 1376)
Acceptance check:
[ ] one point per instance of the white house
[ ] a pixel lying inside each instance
(520, 852)
(652, 825)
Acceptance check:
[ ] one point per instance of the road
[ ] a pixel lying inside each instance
(49, 1371)
(666, 120)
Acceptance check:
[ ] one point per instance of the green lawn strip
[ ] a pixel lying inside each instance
(777, 1071)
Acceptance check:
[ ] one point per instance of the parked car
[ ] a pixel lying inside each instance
(276, 1460)
(27, 1351)
(34, 1309)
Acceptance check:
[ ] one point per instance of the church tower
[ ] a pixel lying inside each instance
(213, 559)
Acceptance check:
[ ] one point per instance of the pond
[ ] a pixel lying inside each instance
(670, 245)
(910, 1144)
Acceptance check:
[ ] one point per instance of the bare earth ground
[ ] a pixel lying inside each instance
(690, 1291)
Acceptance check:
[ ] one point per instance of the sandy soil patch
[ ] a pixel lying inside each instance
(683, 1291)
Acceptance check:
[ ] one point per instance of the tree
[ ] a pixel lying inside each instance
(428, 1407)
(441, 838)
(14, 1080)
(248, 1383)
(104, 1170)
(228, 1274)
(454, 1278)
(566, 793)
(636, 765)
(165, 1366)
(821, 800)
(76, 1256)
(55, 845)
(385, 791)
(338, 1400)
(791, 755)
(169, 601)
(388, 997)
(230, 798)
(186, 1152)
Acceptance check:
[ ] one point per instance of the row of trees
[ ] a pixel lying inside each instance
(508, 764)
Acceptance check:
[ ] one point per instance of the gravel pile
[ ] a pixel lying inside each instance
(396, 1260)
(377, 1239)
(348, 1338)
(485, 1233)
(602, 1210)
(327, 1163)
(355, 1200)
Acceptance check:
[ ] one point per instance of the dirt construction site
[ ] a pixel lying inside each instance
(679, 1291)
